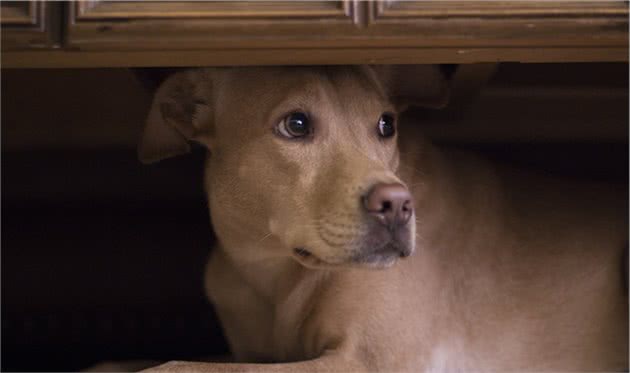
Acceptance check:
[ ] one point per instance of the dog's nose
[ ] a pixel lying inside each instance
(390, 204)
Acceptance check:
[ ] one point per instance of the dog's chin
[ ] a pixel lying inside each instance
(382, 257)
(379, 258)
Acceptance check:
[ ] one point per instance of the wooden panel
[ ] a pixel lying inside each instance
(120, 25)
(19, 13)
(100, 9)
(561, 24)
(396, 8)
(29, 25)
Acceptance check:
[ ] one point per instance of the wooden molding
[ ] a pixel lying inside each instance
(561, 24)
(125, 25)
(125, 10)
(111, 26)
(22, 13)
(389, 9)
(30, 25)
(332, 32)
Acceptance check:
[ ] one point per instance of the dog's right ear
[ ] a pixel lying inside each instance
(180, 113)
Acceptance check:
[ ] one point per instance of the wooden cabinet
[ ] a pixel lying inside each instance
(30, 25)
(179, 33)
(122, 25)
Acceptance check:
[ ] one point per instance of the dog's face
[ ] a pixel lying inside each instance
(303, 161)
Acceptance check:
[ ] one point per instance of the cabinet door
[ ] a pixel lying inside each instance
(500, 24)
(29, 25)
(120, 25)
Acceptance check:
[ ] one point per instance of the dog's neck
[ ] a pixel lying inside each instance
(272, 277)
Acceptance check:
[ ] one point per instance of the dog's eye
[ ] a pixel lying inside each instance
(294, 125)
(386, 125)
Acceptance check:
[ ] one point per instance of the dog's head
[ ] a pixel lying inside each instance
(302, 161)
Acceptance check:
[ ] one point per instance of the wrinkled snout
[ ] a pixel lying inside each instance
(374, 230)
(388, 208)
(389, 204)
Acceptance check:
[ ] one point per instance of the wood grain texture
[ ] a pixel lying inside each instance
(126, 33)
(306, 56)
(98, 9)
(106, 25)
(586, 24)
(488, 9)
(125, 25)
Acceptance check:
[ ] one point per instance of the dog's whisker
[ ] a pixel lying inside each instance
(264, 238)
(306, 225)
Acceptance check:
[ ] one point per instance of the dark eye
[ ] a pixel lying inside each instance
(294, 125)
(386, 125)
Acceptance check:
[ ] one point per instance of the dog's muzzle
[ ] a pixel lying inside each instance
(388, 235)
(389, 208)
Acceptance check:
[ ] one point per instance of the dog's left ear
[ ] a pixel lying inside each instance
(180, 113)
(416, 85)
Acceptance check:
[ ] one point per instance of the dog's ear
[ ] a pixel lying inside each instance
(180, 113)
(416, 85)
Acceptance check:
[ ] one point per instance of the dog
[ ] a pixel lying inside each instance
(346, 246)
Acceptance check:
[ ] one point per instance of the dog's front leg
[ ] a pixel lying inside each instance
(329, 362)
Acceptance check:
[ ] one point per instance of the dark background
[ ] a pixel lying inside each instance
(102, 257)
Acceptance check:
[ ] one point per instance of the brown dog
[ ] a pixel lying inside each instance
(310, 190)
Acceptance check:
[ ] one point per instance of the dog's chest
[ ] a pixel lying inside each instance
(449, 357)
